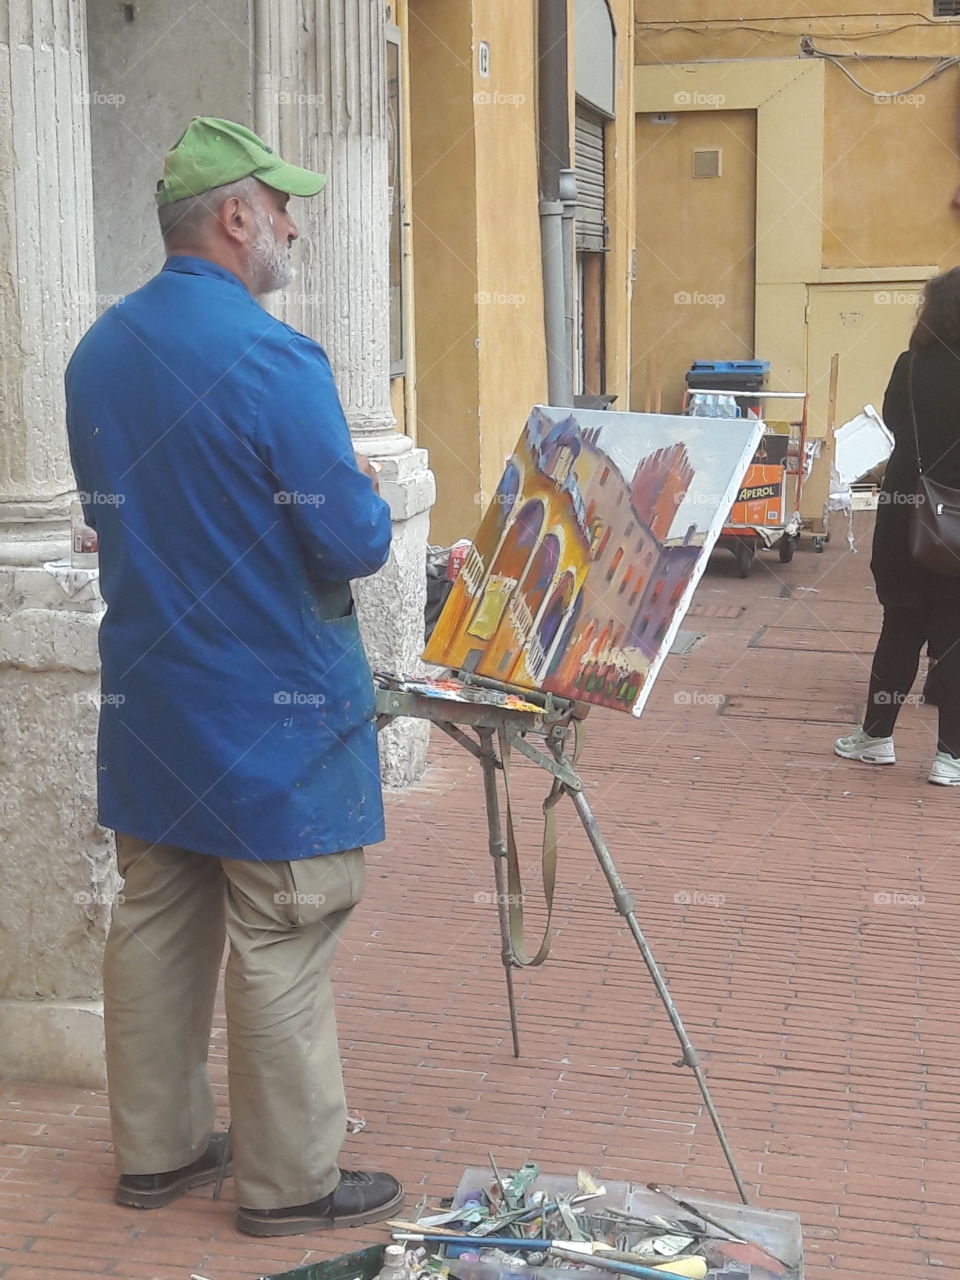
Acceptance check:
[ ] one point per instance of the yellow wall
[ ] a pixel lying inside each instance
(874, 149)
(891, 170)
(786, 192)
(398, 403)
(477, 324)
(621, 218)
(478, 307)
(694, 295)
(513, 374)
(671, 30)
(443, 208)
(853, 189)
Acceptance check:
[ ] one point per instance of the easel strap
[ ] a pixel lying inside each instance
(548, 865)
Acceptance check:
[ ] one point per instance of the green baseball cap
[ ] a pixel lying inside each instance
(214, 152)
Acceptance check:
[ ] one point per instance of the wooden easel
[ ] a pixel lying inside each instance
(500, 729)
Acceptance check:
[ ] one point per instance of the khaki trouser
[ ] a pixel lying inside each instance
(162, 960)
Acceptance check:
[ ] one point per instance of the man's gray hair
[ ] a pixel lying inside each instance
(181, 221)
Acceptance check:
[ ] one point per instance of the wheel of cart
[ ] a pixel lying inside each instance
(743, 543)
(786, 547)
(746, 552)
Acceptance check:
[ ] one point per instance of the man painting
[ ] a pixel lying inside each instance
(237, 757)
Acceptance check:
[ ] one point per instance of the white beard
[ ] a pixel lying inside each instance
(275, 270)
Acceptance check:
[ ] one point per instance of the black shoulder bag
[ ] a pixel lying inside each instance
(935, 523)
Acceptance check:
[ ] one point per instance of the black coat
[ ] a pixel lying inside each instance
(936, 397)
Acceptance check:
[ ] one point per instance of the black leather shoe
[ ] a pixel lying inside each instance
(153, 1190)
(358, 1197)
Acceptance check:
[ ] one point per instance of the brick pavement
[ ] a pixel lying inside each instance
(803, 909)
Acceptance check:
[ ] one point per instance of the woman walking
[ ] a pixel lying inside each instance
(918, 605)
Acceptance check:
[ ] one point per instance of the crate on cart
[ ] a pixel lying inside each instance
(732, 377)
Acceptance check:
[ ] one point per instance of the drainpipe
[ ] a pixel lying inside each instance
(568, 199)
(557, 198)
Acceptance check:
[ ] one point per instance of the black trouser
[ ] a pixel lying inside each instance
(905, 630)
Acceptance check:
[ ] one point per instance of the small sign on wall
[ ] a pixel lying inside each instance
(483, 60)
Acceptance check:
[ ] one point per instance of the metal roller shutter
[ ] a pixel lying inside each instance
(590, 181)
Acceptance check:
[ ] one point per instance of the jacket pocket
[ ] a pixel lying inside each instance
(341, 675)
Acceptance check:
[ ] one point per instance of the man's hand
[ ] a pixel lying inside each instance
(369, 469)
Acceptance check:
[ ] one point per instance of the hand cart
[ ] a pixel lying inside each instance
(766, 513)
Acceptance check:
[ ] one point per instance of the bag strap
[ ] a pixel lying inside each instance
(548, 865)
(913, 411)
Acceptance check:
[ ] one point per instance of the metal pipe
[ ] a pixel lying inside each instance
(554, 149)
(552, 96)
(568, 199)
(559, 374)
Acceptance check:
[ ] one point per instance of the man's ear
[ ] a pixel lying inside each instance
(235, 217)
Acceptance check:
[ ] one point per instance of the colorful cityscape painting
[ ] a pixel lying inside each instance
(588, 555)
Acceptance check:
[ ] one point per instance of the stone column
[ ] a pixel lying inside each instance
(320, 98)
(57, 865)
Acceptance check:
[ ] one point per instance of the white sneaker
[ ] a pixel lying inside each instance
(860, 746)
(945, 770)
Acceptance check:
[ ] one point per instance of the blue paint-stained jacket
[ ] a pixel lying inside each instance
(213, 459)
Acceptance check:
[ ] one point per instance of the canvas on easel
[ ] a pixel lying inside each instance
(589, 553)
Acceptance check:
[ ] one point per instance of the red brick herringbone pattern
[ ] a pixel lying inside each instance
(803, 908)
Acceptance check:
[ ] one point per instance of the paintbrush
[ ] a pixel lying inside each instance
(475, 1242)
(715, 1222)
(692, 1208)
(401, 1224)
(563, 1248)
(500, 1182)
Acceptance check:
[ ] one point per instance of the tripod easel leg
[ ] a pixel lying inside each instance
(498, 852)
(627, 908)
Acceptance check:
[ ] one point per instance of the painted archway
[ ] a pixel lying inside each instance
(507, 570)
(553, 616)
(537, 582)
